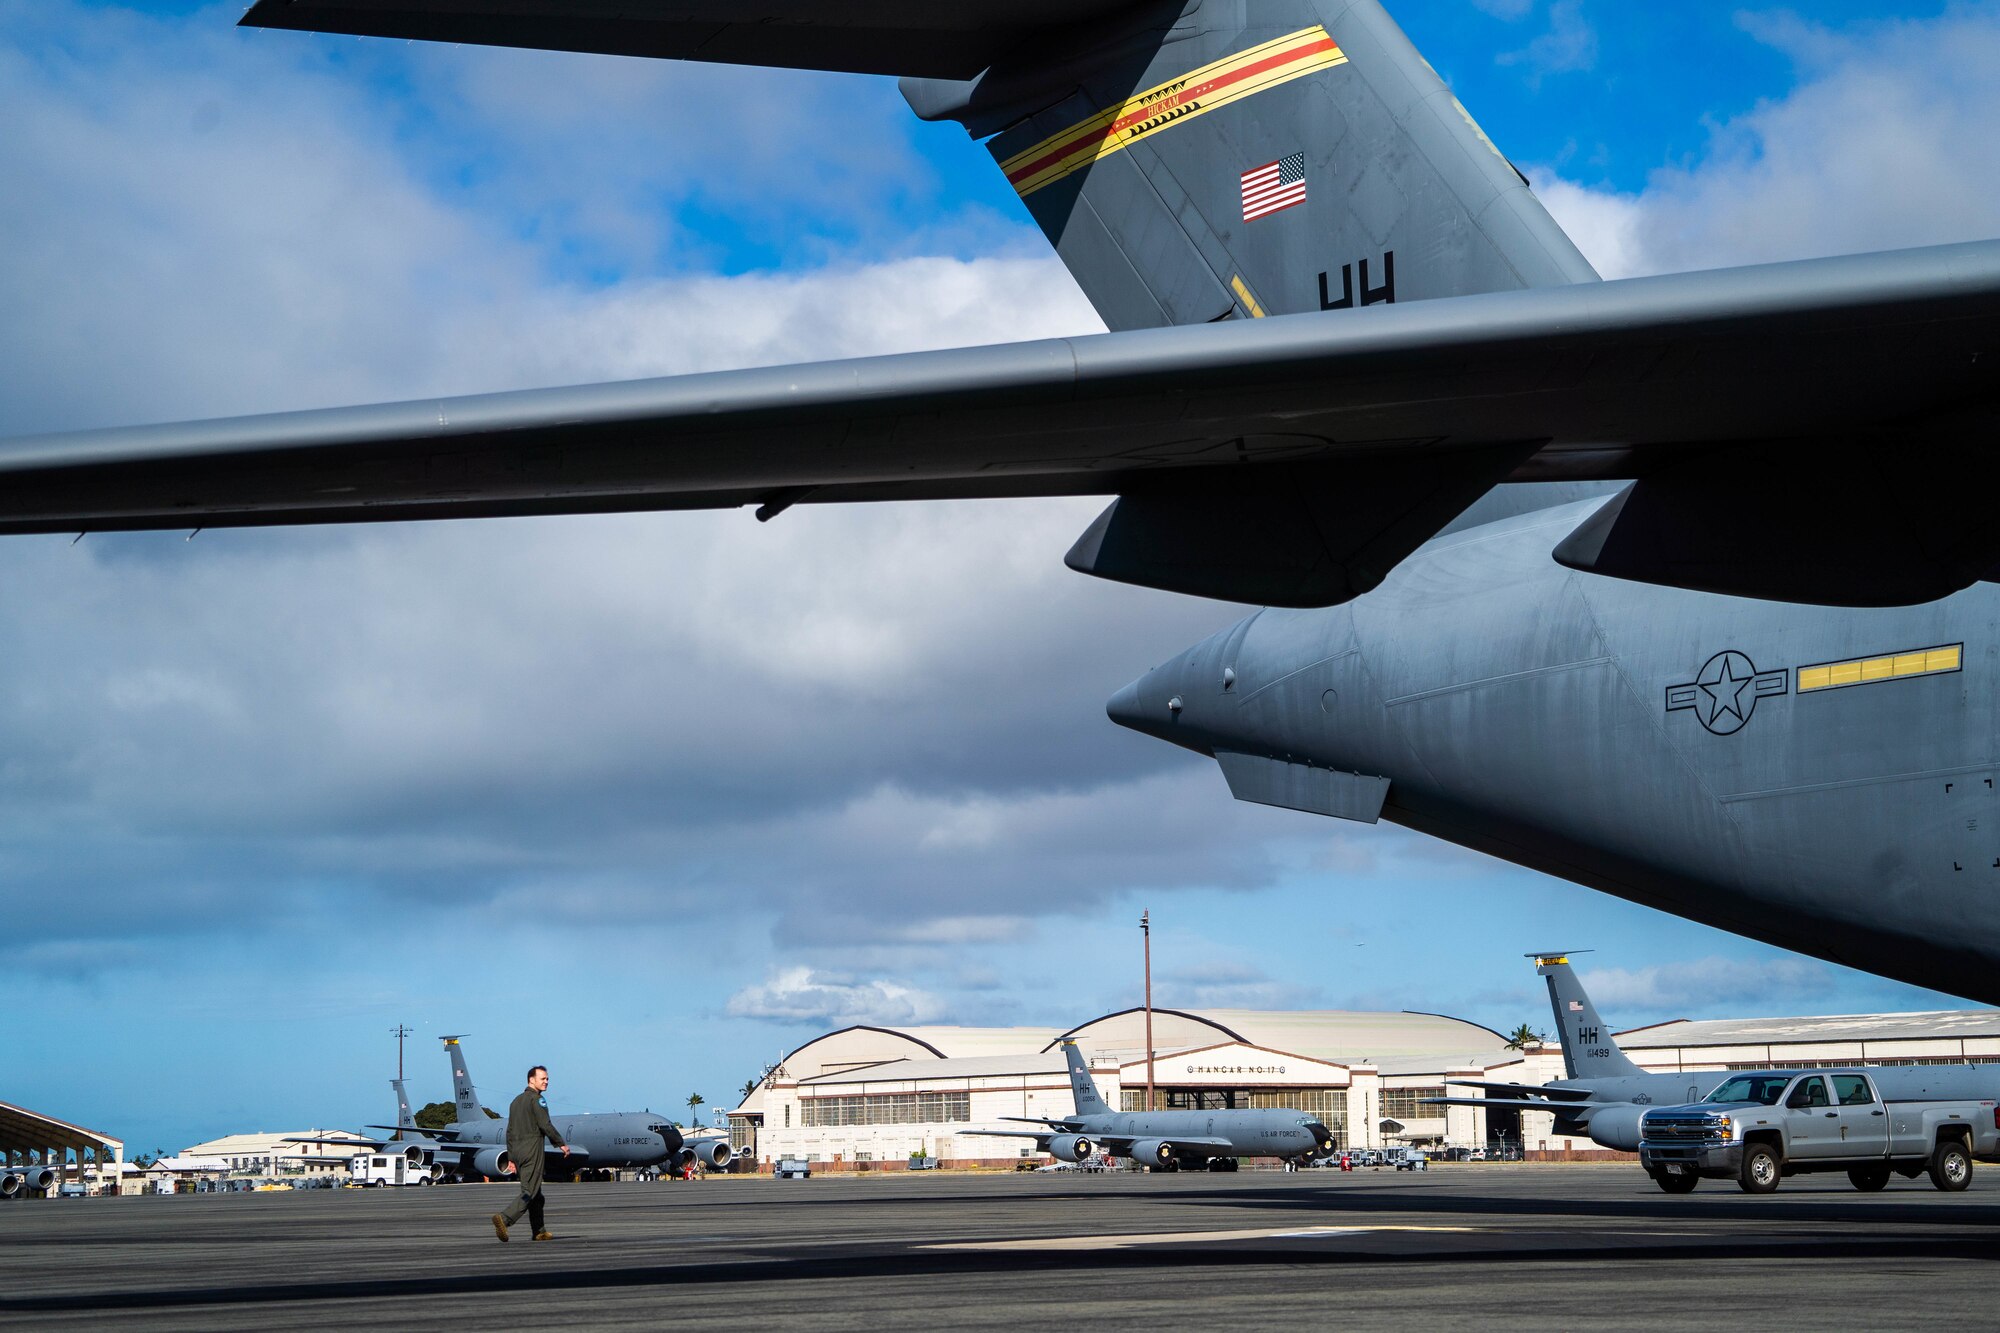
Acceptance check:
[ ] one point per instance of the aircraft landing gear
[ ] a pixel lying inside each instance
(1222, 1163)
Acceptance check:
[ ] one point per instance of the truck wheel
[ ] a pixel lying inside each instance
(1677, 1182)
(1951, 1165)
(1869, 1178)
(1760, 1169)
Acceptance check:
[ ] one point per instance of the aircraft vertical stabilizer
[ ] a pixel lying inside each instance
(1200, 161)
(1588, 1048)
(1088, 1101)
(404, 1118)
(463, 1094)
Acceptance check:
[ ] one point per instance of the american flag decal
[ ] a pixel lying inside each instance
(1575, 1008)
(1274, 186)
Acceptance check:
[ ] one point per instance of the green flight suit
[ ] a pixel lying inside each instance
(528, 1125)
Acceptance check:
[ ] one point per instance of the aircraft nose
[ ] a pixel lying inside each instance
(1126, 708)
(1149, 704)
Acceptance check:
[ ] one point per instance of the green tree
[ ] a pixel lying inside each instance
(750, 1085)
(1525, 1036)
(437, 1115)
(695, 1099)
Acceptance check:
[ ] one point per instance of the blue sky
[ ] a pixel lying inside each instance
(652, 799)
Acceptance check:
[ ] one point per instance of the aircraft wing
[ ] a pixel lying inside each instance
(443, 1136)
(1288, 461)
(1567, 1110)
(955, 40)
(1121, 1143)
(370, 1144)
(1525, 1089)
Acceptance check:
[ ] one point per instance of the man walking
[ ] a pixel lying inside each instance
(527, 1125)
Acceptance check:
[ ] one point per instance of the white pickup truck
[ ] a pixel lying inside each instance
(1757, 1128)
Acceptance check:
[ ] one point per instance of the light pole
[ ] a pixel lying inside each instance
(1146, 931)
(400, 1033)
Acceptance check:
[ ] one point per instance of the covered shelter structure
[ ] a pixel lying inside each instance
(31, 1142)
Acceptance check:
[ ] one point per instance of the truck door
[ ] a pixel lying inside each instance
(1811, 1123)
(1863, 1123)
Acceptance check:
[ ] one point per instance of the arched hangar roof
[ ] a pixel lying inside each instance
(1339, 1036)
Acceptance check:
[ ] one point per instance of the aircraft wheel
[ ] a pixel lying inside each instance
(1868, 1179)
(1951, 1165)
(1677, 1182)
(1761, 1172)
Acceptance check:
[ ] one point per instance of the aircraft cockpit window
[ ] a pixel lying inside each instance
(1852, 1090)
(1764, 1089)
(661, 1130)
(1810, 1092)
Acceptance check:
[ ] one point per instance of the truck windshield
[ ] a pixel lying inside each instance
(1762, 1088)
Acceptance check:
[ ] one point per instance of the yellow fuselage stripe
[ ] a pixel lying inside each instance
(1195, 93)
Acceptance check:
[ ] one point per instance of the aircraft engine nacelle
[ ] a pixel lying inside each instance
(713, 1154)
(27, 1178)
(415, 1153)
(1070, 1147)
(1616, 1127)
(1153, 1152)
(492, 1162)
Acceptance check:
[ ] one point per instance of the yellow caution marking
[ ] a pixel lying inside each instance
(1242, 290)
(1889, 666)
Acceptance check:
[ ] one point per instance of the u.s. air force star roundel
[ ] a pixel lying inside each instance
(1726, 692)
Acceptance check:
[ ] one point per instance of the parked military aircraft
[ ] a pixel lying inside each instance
(475, 1143)
(598, 1141)
(1166, 1139)
(1605, 1093)
(1803, 530)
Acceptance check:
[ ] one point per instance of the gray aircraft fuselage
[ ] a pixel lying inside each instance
(611, 1139)
(1653, 743)
(1257, 1132)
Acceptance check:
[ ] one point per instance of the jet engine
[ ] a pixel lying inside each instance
(492, 1162)
(1153, 1152)
(712, 1153)
(1071, 1147)
(1616, 1127)
(27, 1178)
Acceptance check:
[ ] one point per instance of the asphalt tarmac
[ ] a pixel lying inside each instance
(1508, 1246)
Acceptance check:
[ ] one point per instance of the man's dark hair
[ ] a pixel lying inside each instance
(535, 1069)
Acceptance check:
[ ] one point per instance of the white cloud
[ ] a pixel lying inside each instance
(1892, 139)
(799, 995)
(1711, 985)
(1568, 46)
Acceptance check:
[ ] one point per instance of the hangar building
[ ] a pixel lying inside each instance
(29, 1139)
(866, 1096)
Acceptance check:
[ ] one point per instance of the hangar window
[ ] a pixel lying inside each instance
(892, 1108)
(1407, 1103)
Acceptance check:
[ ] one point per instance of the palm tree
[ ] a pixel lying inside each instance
(695, 1099)
(750, 1085)
(1525, 1036)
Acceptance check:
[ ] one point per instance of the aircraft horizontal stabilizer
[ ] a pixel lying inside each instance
(1524, 1089)
(1567, 1110)
(957, 40)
